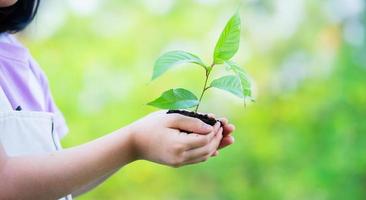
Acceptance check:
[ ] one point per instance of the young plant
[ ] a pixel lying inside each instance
(226, 47)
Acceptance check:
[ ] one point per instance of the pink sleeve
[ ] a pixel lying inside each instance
(59, 120)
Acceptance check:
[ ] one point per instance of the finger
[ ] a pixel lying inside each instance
(216, 153)
(226, 141)
(211, 115)
(188, 124)
(228, 129)
(198, 160)
(218, 141)
(224, 121)
(194, 140)
(205, 151)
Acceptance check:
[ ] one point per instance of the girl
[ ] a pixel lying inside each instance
(32, 163)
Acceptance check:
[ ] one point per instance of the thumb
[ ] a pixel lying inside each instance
(188, 124)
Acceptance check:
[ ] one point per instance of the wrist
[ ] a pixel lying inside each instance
(132, 142)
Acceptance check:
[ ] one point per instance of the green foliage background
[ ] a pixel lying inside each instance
(304, 138)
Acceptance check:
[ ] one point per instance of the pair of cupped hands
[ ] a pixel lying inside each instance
(177, 140)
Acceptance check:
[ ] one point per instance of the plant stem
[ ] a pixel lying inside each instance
(208, 72)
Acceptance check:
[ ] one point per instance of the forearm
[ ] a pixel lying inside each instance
(93, 184)
(57, 174)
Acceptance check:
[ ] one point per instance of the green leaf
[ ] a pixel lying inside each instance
(175, 99)
(243, 77)
(228, 43)
(230, 84)
(173, 58)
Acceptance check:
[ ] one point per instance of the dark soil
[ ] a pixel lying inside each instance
(205, 118)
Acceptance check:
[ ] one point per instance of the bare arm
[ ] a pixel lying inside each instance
(156, 137)
(90, 186)
(54, 175)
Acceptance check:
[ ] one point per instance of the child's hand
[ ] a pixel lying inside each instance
(227, 139)
(159, 137)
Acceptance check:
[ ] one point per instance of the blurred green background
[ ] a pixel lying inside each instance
(304, 138)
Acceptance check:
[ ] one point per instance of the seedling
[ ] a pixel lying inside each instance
(237, 84)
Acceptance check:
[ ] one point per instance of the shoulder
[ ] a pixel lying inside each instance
(12, 50)
(15, 57)
(26, 81)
